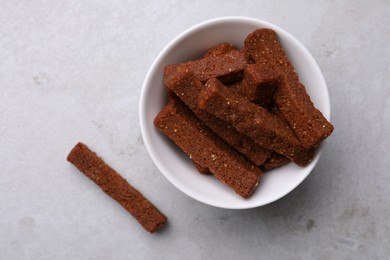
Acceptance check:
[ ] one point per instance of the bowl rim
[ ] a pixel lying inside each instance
(167, 49)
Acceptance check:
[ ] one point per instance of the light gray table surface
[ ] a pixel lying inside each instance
(72, 71)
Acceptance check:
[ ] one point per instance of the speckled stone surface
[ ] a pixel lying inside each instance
(72, 71)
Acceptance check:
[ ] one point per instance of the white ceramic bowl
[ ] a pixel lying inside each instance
(173, 163)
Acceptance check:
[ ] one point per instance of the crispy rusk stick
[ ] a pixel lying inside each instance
(206, 149)
(308, 123)
(228, 67)
(250, 119)
(116, 187)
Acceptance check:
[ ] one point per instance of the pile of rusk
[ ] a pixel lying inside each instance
(237, 113)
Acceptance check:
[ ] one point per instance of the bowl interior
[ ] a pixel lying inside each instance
(173, 163)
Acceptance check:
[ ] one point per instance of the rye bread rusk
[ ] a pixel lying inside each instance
(201, 169)
(92, 166)
(252, 120)
(187, 87)
(308, 123)
(206, 149)
(228, 67)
